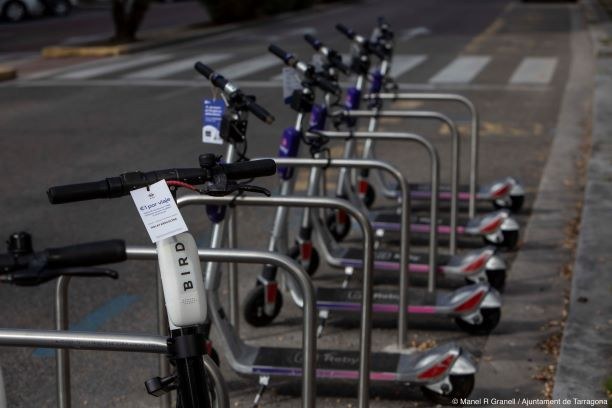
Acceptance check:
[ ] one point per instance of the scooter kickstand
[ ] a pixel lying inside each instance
(323, 316)
(264, 381)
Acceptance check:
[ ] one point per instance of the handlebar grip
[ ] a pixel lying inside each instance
(346, 31)
(205, 70)
(78, 192)
(280, 53)
(260, 112)
(315, 43)
(249, 169)
(217, 80)
(88, 254)
(327, 86)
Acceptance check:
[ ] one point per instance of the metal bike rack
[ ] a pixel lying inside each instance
(404, 229)
(90, 341)
(455, 160)
(435, 170)
(474, 136)
(365, 339)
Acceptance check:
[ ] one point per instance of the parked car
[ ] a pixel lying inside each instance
(17, 10)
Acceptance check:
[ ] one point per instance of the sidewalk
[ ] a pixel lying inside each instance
(585, 362)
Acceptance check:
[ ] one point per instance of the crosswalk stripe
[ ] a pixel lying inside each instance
(248, 67)
(118, 65)
(461, 70)
(534, 70)
(404, 63)
(170, 68)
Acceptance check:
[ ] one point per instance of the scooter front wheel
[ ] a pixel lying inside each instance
(313, 263)
(490, 319)
(338, 230)
(462, 388)
(254, 307)
(370, 196)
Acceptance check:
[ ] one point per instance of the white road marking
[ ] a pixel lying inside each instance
(534, 70)
(119, 64)
(404, 63)
(248, 67)
(170, 68)
(461, 70)
(411, 33)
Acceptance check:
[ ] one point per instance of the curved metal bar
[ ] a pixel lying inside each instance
(215, 373)
(402, 321)
(83, 340)
(435, 182)
(309, 337)
(474, 136)
(455, 166)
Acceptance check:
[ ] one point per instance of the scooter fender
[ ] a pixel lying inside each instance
(492, 300)
(465, 364)
(517, 188)
(495, 263)
(183, 285)
(510, 224)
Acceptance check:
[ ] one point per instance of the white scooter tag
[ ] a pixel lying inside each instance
(184, 291)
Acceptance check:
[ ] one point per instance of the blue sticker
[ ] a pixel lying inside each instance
(211, 121)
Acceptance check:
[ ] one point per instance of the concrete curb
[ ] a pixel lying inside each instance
(585, 360)
(7, 73)
(159, 39)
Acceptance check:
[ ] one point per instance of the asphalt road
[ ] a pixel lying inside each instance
(87, 121)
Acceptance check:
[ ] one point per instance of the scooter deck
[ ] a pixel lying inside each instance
(334, 364)
(383, 301)
(392, 222)
(385, 260)
(422, 191)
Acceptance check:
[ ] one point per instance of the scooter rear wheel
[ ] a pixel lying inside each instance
(490, 319)
(462, 388)
(254, 312)
(509, 240)
(514, 203)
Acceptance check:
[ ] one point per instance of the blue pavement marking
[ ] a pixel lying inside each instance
(95, 319)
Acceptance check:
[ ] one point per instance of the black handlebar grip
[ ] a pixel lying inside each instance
(217, 79)
(88, 254)
(280, 53)
(316, 44)
(345, 30)
(249, 169)
(204, 69)
(261, 113)
(78, 192)
(327, 86)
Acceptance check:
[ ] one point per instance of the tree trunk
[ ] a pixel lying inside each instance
(127, 18)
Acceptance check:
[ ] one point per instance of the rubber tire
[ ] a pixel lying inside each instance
(18, 4)
(214, 355)
(62, 12)
(253, 311)
(490, 320)
(370, 196)
(497, 279)
(315, 259)
(330, 222)
(462, 388)
(516, 204)
(509, 240)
